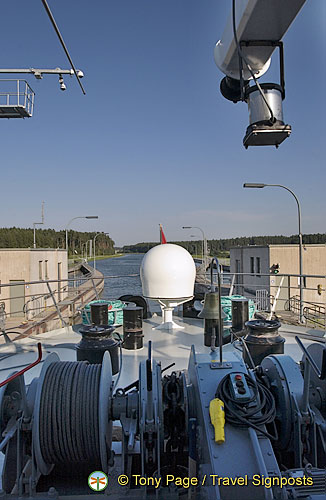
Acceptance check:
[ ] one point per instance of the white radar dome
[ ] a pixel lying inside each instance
(168, 272)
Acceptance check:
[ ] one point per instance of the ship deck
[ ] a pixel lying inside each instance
(167, 347)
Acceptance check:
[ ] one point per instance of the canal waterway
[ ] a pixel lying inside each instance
(121, 267)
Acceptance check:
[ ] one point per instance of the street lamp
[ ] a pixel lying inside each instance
(195, 244)
(104, 234)
(204, 241)
(74, 218)
(257, 185)
(83, 245)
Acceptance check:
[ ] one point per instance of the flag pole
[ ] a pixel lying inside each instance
(162, 235)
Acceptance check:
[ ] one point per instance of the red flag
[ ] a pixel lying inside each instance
(162, 236)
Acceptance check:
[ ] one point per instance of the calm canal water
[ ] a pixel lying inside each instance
(121, 266)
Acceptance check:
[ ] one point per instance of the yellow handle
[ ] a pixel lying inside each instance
(216, 412)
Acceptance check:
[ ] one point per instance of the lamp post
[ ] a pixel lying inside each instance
(74, 218)
(195, 247)
(97, 234)
(84, 245)
(204, 241)
(259, 186)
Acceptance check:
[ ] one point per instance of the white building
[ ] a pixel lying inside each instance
(253, 268)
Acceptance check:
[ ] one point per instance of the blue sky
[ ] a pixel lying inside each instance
(153, 141)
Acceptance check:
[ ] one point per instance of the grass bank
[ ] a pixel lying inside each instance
(102, 257)
(98, 257)
(222, 260)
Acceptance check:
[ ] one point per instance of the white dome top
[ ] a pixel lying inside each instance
(167, 272)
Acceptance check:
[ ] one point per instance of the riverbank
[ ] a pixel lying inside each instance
(101, 257)
(225, 261)
(72, 261)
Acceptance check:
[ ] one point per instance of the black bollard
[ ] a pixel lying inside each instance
(240, 313)
(132, 328)
(95, 341)
(263, 339)
(99, 314)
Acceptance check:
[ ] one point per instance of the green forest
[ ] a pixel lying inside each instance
(15, 237)
(221, 248)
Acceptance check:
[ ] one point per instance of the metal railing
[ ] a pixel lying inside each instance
(314, 313)
(20, 95)
(33, 306)
(59, 294)
(3, 315)
(277, 294)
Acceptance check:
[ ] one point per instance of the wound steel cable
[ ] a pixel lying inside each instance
(69, 413)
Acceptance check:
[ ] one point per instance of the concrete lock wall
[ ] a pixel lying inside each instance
(244, 260)
(14, 266)
(44, 265)
(314, 262)
(241, 261)
(31, 265)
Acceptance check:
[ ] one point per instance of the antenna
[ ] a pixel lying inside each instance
(37, 224)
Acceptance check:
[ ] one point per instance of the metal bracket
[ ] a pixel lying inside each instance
(8, 433)
(129, 426)
(216, 365)
(262, 43)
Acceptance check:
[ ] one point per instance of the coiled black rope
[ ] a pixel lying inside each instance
(247, 414)
(68, 418)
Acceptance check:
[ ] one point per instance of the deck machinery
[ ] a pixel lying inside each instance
(68, 422)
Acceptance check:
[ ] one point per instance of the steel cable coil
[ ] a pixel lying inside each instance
(69, 413)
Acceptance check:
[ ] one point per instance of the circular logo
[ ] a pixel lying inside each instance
(97, 480)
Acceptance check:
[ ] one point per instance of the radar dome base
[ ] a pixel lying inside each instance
(167, 307)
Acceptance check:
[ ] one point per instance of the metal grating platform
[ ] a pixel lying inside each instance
(14, 112)
(16, 99)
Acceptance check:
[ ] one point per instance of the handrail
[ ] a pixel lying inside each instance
(21, 372)
(81, 278)
(247, 287)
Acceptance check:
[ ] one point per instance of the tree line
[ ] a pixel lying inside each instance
(221, 248)
(16, 237)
